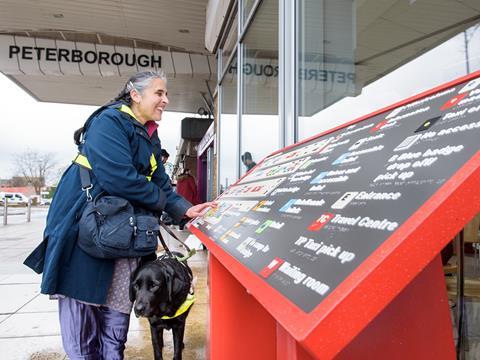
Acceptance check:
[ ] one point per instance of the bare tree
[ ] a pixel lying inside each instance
(17, 181)
(34, 167)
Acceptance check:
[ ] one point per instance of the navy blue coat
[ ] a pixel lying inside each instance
(118, 149)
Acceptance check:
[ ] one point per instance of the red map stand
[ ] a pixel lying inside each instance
(393, 306)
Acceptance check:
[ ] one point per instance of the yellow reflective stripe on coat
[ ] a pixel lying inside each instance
(185, 306)
(82, 160)
(153, 167)
(153, 162)
(126, 109)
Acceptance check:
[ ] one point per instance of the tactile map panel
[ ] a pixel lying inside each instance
(307, 217)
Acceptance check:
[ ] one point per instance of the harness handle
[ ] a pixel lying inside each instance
(190, 252)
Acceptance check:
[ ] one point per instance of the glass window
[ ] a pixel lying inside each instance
(260, 121)
(325, 57)
(247, 8)
(230, 42)
(228, 163)
(356, 57)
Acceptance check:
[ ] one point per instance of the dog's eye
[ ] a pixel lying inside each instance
(153, 288)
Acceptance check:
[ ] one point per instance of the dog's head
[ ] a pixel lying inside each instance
(159, 288)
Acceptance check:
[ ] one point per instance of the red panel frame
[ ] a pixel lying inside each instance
(385, 273)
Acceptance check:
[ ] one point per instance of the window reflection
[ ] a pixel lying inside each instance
(260, 122)
(352, 60)
(230, 43)
(325, 57)
(228, 129)
(247, 8)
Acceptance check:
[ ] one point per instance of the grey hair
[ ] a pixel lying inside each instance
(139, 82)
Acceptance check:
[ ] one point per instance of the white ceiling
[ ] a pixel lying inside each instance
(158, 21)
(184, 94)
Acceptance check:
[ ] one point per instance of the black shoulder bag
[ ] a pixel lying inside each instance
(111, 228)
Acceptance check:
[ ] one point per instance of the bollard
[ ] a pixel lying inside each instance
(5, 210)
(29, 209)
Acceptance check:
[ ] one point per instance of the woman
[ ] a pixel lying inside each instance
(121, 145)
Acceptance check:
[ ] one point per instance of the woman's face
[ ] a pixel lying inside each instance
(151, 103)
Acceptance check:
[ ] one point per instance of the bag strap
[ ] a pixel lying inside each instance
(84, 169)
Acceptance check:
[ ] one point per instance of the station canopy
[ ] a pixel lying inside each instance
(83, 51)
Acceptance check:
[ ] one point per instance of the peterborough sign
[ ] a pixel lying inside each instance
(79, 56)
(38, 57)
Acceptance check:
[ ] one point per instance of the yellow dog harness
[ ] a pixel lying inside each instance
(182, 309)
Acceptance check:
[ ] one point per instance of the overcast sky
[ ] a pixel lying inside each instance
(48, 127)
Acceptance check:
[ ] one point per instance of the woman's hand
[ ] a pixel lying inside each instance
(200, 209)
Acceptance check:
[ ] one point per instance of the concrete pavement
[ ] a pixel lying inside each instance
(29, 326)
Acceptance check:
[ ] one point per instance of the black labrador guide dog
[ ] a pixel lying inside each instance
(161, 292)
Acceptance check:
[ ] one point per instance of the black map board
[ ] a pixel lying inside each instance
(306, 217)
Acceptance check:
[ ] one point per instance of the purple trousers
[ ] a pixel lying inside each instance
(92, 332)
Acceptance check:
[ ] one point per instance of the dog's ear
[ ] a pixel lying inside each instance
(147, 258)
